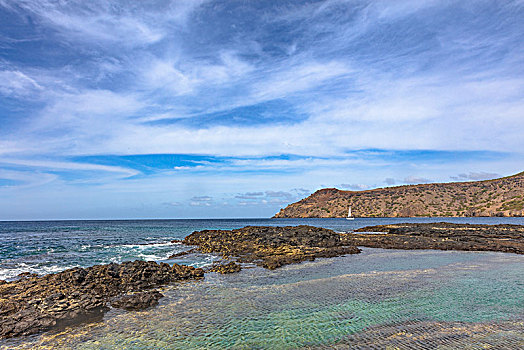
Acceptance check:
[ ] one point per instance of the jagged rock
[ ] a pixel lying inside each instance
(272, 247)
(137, 301)
(26, 275)
(35, 304)
(443, 236)
(186, 252)
(230, 267)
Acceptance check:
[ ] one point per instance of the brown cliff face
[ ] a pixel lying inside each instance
(498, 197)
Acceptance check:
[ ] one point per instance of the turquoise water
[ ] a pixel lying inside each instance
(325, 303)
(377, 299)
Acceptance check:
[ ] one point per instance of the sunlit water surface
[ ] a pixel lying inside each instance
(407, 299)
(377, 299)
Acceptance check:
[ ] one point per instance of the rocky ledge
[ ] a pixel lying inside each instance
(35, 304)
(443, 236)
(225, 268)
(272, 247)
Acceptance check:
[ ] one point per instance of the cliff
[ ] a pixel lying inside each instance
(498, 197)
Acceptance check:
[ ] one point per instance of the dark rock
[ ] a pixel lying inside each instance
(443, 236)
(137, 301)
(230, 267)
(35, 304)
(272, 247)
(26, 274)
(186, 252)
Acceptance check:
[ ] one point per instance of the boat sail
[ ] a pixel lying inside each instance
(349, 217)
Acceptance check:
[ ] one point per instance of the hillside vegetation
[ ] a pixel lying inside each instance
(498, 197)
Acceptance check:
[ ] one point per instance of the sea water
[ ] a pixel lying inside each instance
(379, 298)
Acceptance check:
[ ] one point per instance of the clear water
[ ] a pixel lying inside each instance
(438, 298)
(377, 299)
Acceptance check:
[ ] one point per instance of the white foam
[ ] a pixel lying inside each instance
(147, 246)
(8, 274)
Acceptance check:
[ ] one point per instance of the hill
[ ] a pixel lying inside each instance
(498, 197)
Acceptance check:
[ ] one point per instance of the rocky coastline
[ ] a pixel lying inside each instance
(443, 236)
(34, 304)
(272, 247)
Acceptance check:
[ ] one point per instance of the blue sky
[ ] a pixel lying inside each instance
(194, 109)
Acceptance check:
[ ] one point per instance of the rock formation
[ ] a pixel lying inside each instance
(35, 304)
(230, 267)
(443, 236)
(272, 247)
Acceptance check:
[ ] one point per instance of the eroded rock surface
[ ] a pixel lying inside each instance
(183, 253)
(35, 304)
(230, 267)
(137, 301)
(443, 236)
(272, 247)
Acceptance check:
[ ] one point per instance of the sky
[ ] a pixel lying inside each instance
(220, 109)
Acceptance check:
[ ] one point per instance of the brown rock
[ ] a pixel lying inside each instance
(272, 247)
(35, 304)
(186, 252)
(137, 301)
(443, 236)
(230, 267)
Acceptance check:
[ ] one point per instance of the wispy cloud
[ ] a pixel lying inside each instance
(475, 176)
(390, 181)
(248, 83)
(354, 187)
(17, 83)
(416, 180)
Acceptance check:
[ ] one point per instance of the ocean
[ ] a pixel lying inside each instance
(379, 298)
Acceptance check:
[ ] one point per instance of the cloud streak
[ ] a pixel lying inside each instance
(295, 90)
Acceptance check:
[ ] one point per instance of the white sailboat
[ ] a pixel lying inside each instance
(349, 217)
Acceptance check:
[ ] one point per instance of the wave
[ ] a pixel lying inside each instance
(150, 245)
(92, 254)
(12, 273)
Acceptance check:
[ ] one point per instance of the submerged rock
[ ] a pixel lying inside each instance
(443, 236)
(35, 304)
(137, 301)
(272, 247)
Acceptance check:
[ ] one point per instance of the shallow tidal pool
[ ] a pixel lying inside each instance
(377, 299)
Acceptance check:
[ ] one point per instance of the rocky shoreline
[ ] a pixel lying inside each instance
(33, 304)
(272, 247)
(443, 236)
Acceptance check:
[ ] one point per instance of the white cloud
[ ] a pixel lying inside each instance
(17, 83)
(131, 78)
(290, 80)
(416, 180)
(355, 187)
(475, 176)
(25, 179)
(58, 165)
(115, 23)
(183, 77)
